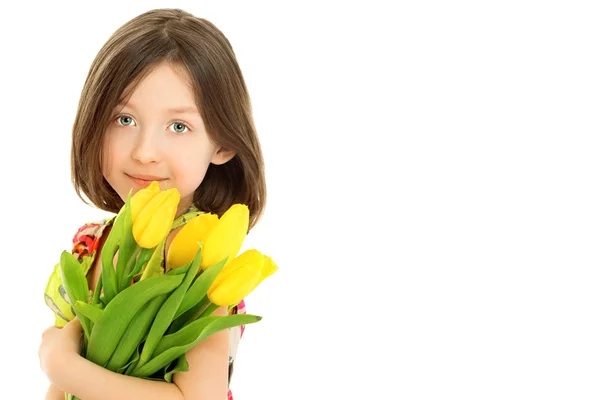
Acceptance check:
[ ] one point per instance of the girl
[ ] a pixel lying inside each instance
(164, 100)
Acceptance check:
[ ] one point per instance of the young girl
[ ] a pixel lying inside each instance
(164, 100)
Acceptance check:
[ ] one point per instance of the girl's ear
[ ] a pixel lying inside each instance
(221, 156)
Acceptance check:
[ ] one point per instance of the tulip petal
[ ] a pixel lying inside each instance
(184, 246)
(142, 198)
(227, 237)
(269, 268)
(238, 285)
(237, 279)
(249, 257)
(154, 221)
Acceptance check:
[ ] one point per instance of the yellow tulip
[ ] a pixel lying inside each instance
(221, 237)
(226, 238)
(184, 247)
(154, 220)
(142, 198)
(240, 277)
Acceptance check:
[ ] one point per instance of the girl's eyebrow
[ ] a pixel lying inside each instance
(183, 110)
(174, 110)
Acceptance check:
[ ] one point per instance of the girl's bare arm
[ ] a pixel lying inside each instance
(207, 377)
(54, 393)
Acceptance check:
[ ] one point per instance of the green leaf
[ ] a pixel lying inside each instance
(127, 245)
(109, 250)
(96, 298)
(129, 251)
(118, 314)
(154, 266)
(185, 218)
(180, 270)
(190, 315)
(135, 333)
(194, 333)
(184, 335)
(200, 287)
(85, 263)
(140, 263)
(73, 278)
(75, 285)
(103, 301)
(130, 366)
(164, 317)
(90, 311)
(180, 365)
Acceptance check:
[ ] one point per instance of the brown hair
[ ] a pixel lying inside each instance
(177, 37)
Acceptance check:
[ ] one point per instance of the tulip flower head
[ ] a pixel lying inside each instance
(220, 237)
(240, 277)
(152, 221)
(142, 198)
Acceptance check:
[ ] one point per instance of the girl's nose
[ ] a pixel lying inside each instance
(146, 150)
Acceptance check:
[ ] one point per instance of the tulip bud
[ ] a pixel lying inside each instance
(221, 238)
(184, 246)
(155, 219)
(240, 277)
(142, 198)
(227, 237)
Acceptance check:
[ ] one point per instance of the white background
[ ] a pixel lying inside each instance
(433, 200)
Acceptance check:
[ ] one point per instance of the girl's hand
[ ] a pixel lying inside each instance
(59, 346)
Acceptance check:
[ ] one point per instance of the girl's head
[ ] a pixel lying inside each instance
(126, 127)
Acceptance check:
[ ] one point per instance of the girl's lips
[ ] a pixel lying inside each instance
(143, 182)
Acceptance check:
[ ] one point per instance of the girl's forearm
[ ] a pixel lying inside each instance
(89, 381)
(54, 393)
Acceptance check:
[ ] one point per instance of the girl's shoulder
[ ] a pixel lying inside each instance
(85, 243)
(87, 238)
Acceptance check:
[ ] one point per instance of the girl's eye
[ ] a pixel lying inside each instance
(125, 120)
(179, 127)
(122, 118)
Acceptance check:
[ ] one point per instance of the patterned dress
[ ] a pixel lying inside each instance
(85, 245)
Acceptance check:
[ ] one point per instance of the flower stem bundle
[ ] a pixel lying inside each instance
(147, 311)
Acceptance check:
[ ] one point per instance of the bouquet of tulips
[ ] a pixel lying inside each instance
(147, 311)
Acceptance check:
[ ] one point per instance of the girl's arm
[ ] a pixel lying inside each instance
(206, 379)
(54, 393)
(209, 367)
(89, 381)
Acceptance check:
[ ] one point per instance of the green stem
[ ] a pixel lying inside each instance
(208, 311)
(190, 315)
(154, 266)
(96, 298)
(126, 281)
(145, 255)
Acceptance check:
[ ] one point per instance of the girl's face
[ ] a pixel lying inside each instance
(159, 135)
